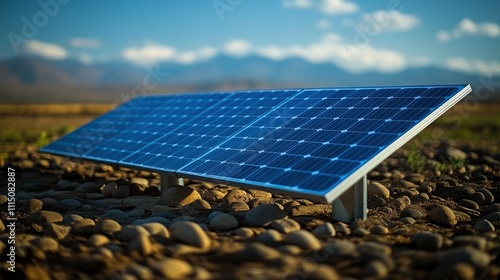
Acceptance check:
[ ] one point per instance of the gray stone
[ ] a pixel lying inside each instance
(56, 231)
(470, 255)
(190, 233)
(488, 196)
(135, 213)
(98, 240)
(178, 196)
(450, 153)
(258, 252)
(477, 242)
(223, 221)
(484, 226)
(46, 244)
(376, 248)
(157, 229)
(375, 188)
(325, 230)
(429, 241)
(236, 196)
(109, 188)
(412, 212)
(244, 231)
(156, 219)
(32, 205)
(478, 197)
(376, 269)
(407, 220)
(492, 217)
(459, 271)
(201, 204)
(89, 187)
(116, 214)
(359, 231)
(238, 206)
(323, 272)
(379, 229)
(270, 236)
(107, 227)
(43, 217)
(285, 225)
(469, 204)
(171, 268)
(83, 227)
(121, 192)
(140, 272)
(213, 195)
(70, 203)
(304, 239)
(342, 228)
(263, 215)
(442, 215)
(130, 232)
(48, 202)
(141, 244)
(71, 218)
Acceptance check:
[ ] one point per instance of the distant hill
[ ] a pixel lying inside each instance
(32, 78)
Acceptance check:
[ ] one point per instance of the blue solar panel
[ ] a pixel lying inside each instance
(309, 142)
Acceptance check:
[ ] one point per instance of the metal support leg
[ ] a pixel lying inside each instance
(167, 180)
(351, 205)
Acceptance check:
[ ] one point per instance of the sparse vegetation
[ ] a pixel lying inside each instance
(416, 160)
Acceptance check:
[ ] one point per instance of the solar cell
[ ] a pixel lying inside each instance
(313, 143)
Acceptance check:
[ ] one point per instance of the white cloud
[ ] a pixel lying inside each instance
(47, 50)
(328, 7)
(84, 43)
(473, 66)
(468, 27)
(153, 53)
(385, 20)
(301, 4)
(336, 7)
(323, 24)
(237, 47)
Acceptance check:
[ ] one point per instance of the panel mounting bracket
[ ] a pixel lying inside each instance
(168, 179)
(352, 204)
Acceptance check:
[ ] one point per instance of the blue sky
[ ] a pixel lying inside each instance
(384, 36)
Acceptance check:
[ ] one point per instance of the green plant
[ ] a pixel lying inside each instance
(11, 136)
(457, 163)
(43, 139)
(416, 160)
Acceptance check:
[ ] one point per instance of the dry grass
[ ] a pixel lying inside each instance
(54, 109)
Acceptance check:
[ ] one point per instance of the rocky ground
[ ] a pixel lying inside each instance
(433, 214)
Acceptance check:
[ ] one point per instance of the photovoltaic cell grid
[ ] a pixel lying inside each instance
(308, 142)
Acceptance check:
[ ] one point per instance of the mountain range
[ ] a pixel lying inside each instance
(30, 78)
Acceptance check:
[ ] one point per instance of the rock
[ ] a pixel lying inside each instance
(412, 212)
(488, 196)
(408, 220)
(459, 271)
(263, 215)
(340, 249)
(98, 240)
(162, 208)
(270, 236)
(178, 196)
(48, 202)
(373, 247)
(258, 252)
(107, 227)
(3, 199)
(70, 203)
(89, 187)
(2, 228)
(478, 197)
(495, 207)
(238, 206)
(479, 178)
(484, 226)
(359, 231)
(140, 272)
(71, 218)
(313, 209)
(450, 153)
(477, 242)
(109, 188)
(45, 244)
(379, 229)
(325, 230)
(442, 215)
(135, 213)
(161, 220)
(140, 181)
(35, 272)
(213, 195)
(244, 231)
(468, 204)
(492, 217)
(285, 225)
(375, 188)
(157, 229)
(304, 239)
(121, 192)
(260, 194)
(236, 196)
(131, 232)
(115, 214)
(429, 241)
(223, 221)
(141, 244)
(83, 227)
(342, 228)
(32, 205)
(376, 269)
(56, 231)
(190, 233)
(43, 217)
(416, 178)
(170, 268)
(322, 272)
(201, 204)
(470, 255)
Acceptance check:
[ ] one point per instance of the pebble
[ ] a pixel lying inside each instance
(171, 268)
(155, 219)
(140, 181)
(70, 203)
(121, 192)
(477, 242)
(107, 227)
(3, 199)
(190, 233)
(56, 231)
(412, 212)
(135, 213)
(263, 215)
(493, 217)
(201, 204)
(116, 214)
(71, 218)
(141, 244)
(470, 255)
(213, 195)
(376, 269)
(129, 232)
(258, 252)
(270, 236)
(429, 241)
(285, 225)
(325, 230)
(323, 272)
(109, 188)
(43, 217)
(373, 247)
(495, 207)
(342, 228)
(407, 220)
(157, 229)
(46, 244)
(98, 240)
(32, 205)
(442, 215)
(459, 271)
(223, 221)
(48, 202)
(236, 196)
(468, 204)
(260, 194)
(379, 229)
(311, 210)
(83, 227)
(480, 178)
(361, 232)
(304, 239)
(488, 196)
(478, 197)
(89, 187)
(450, 153)
(178, 196)
(244, 231)
(484, 226)
(2, 228)
(238, 206)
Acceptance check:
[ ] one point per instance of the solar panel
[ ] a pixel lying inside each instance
(313, 143)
